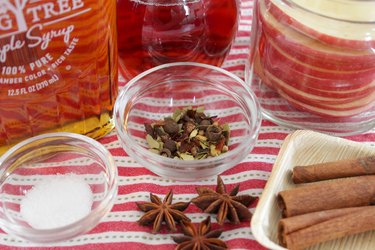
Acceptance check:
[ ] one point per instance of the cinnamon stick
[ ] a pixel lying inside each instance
(339, 193)
(305, 230)
(334, 170)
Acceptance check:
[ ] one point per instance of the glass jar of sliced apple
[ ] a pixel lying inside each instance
(312, 63)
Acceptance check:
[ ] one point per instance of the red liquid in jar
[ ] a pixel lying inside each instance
(153, 32)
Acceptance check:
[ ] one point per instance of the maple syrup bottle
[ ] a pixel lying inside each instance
(58, 68)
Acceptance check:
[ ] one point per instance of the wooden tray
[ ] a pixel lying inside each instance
(302, 148)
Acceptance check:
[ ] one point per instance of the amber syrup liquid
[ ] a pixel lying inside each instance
(58, 68)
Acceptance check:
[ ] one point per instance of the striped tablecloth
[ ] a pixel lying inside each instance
(119, 229)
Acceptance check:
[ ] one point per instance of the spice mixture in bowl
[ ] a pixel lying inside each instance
(55, 186)
(187, 121)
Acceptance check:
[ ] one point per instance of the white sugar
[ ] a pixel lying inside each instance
(57, 201)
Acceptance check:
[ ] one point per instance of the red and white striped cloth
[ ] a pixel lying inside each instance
(119, 229)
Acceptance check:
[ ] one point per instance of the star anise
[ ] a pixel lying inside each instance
(226, 205)
(200, 238)
(158, 211)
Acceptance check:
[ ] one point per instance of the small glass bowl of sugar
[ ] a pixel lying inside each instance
(55, 186)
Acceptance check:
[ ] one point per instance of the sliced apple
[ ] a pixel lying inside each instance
(330, 108)
(317, 85)
(346, 24)
(312, 51)
(281, 67)
(325, 84)
(324, 112)
(327, 111)
(310, 98)
(281, 59)
(300, 83)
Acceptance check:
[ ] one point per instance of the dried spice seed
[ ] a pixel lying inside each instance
(199, 238)
(213, 133)
(170, 126)
(226, 205)
(166, 152)
(170, 145)
(159, 212)
(189, 134)
(205, 123)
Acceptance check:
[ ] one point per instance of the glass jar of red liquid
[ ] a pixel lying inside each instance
(312, 63)
(153, 32)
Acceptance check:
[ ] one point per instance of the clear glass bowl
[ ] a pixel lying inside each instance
(157, 93)
(312, 66)
(46, 156)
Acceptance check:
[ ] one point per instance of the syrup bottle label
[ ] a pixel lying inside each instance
(29, 32)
